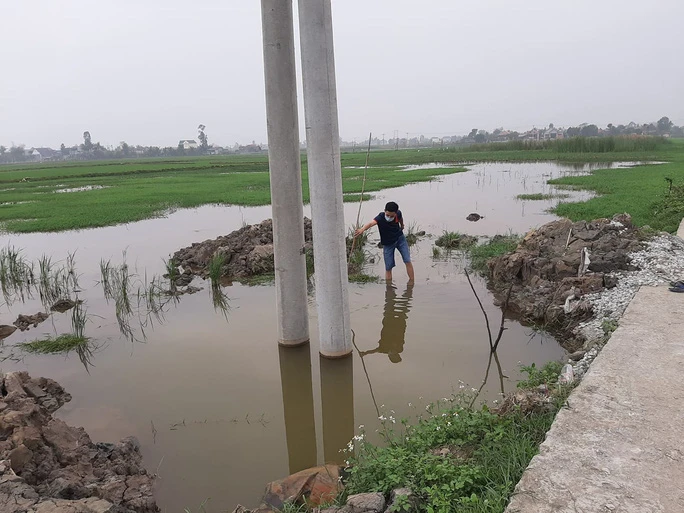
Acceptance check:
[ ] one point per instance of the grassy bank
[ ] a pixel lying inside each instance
(457, 457)
(642, 191)
(85, 195)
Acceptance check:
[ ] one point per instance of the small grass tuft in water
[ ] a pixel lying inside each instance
(454, 240)
(412, 232)
(172, 271)
(215, 268)
(436, 252)
(259, 279)
(363, 278)
(61, 344)
(541, 197)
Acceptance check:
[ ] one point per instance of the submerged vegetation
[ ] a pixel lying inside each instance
(66, 342)
(61, 344)
(540, 197)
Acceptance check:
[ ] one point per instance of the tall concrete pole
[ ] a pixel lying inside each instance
(325, 176)
(285, 171)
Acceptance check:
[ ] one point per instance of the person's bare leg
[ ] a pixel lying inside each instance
(409, 271)
(388, 276)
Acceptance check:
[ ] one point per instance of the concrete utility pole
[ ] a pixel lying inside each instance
(325, 176)
(285, 171)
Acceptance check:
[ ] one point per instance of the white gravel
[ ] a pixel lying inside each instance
(660, 262)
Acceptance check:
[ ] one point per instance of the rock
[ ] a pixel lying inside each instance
(261, 260)
(24, 322)
(421, 233)
(6, 330)
(59, 469)
(62, 305)
(246, 252)
(402, 495)
(474, 217)
(184, 280)
(315, 485)
(577, 355)
(19, 457)
(366, 503)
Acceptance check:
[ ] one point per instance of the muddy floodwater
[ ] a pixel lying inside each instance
(218, 407)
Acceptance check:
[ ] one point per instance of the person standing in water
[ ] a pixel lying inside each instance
(390, 224)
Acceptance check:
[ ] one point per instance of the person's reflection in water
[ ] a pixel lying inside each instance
(394, 320)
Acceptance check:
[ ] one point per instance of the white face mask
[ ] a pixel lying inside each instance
(389, 219)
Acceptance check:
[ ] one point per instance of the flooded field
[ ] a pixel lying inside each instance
(218, 407)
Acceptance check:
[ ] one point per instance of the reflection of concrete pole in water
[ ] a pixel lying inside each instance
(285, 171)
(337, 396)
(298, 405)
(325, 176)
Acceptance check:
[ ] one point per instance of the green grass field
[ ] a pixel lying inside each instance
(132, 190)
(641, 191)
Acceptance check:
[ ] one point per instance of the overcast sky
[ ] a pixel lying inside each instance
(150, 71)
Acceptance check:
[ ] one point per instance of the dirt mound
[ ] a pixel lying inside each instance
(46, 465)
(556, 265)
(24, 322)
(246, 252)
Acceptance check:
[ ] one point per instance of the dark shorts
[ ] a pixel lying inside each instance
(388, 252)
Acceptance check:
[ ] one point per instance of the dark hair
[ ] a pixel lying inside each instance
(392, 207)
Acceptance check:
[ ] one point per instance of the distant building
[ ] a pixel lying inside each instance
(45, 154)
(250, 148)
(188, 144)
(553, 134)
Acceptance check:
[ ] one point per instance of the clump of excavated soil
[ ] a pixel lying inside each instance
(549, 275)
(246, 252)
(47, 465)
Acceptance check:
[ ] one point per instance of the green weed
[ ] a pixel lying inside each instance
(62, 344)
(215, 268)
(497, 245)
(546, 375)
(412, 231)
(454, 240)
(457, 458)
